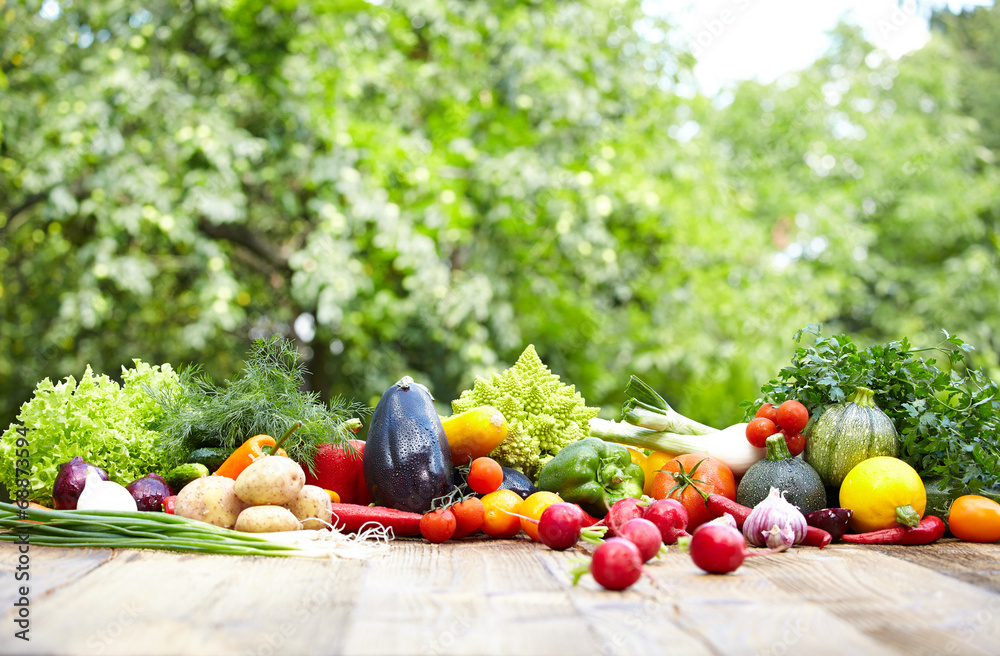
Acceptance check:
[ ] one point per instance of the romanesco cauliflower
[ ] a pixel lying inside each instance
(543, 415)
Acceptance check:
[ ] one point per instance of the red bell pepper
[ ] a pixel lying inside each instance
(168, 504)
(337, 469)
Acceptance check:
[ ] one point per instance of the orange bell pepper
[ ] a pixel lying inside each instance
(251, 450)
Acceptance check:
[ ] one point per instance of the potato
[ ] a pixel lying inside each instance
(270, 481)
(210, 499)
(267, 519)
(312, 507)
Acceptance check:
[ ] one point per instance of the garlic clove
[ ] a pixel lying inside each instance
(773, 511)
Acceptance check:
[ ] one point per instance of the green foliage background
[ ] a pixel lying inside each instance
(427, 187)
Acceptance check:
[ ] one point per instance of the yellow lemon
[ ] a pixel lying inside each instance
(883, 492)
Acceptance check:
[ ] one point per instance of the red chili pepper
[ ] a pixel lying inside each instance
(351, 517)
(720, 505)
(816, 537)
(930, 529)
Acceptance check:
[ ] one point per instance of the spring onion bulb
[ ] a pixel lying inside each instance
(99, 494)
(728, 445)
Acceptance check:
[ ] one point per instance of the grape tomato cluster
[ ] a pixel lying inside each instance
(789, 419)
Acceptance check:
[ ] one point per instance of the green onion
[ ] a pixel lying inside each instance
(647, 409)
(149, 530)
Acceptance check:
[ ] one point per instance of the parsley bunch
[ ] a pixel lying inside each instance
(947, 419)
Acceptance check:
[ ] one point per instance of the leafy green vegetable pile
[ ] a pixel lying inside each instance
(947, 420)
(267, 399)
(107, 424)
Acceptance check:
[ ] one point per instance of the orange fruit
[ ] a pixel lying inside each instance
(532, 508)
(498, 520)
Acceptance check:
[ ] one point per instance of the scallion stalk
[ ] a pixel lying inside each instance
(147, 530)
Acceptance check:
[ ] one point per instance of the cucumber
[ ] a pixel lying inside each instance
(211, 457)
(181, 475)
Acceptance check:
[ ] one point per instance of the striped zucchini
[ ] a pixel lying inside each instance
(847, 433)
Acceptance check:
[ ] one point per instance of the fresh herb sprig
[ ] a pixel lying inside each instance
(267, 399)
(948, 419)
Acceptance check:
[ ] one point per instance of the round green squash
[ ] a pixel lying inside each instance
(798, 481)
(847, 433)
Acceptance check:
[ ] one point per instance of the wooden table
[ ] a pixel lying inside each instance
(505, 597)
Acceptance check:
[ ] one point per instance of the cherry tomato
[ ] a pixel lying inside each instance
(485, 475)
(469, 516)
(438, 525)
(974, 518)
(795, 442)
(792, 415)
(501, 518)
(759, 429)
(768, 411)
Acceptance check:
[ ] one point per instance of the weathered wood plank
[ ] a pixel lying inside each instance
(48, 569)
(165, 603)
(899, 604)
(504, 597)
(973, 563)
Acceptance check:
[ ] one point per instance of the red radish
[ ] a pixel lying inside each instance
(717, 548)
(670, 517)
(643, 534)
(559, 525)
(616, 564)
(620, 513)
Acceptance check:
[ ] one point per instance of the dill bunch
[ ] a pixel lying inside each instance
(266, 399)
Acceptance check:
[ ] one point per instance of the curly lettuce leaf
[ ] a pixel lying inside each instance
(105, 423)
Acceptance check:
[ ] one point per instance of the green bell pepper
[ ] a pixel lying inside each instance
(593, 474)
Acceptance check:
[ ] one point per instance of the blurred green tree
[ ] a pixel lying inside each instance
(427, 187)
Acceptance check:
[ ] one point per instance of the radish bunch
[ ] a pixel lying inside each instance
(638, 533)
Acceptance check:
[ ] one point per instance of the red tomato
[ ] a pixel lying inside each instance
(795, 442)
(759, 429)
(686, 477)
(469, 515)
(768, 411)
(438, 525)
(485, 475)
(792, 415)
